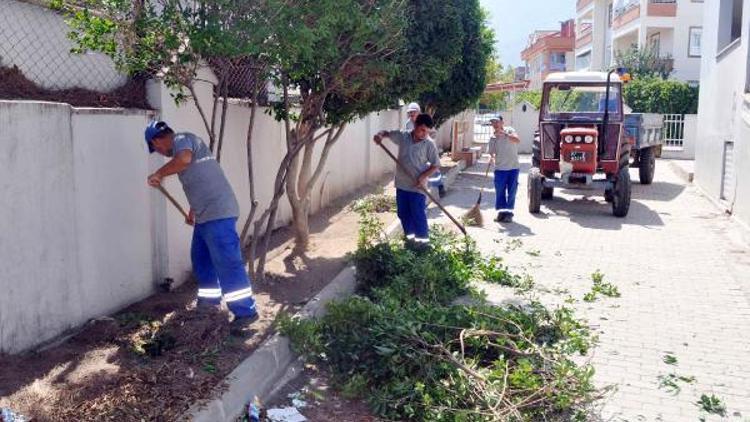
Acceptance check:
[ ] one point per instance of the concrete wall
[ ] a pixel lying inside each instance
(524, 122)
(82, 235)
(76, 225)
(34, 38)
(353, 162)
(724, 112)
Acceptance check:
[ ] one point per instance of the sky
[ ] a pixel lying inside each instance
(514, 20)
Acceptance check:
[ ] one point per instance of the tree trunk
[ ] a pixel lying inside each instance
(301, 224)
(301, 182)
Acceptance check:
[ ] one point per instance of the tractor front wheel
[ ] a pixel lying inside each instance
(536, 185)
(621, 193)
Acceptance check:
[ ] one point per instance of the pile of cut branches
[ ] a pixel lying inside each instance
(404, 344)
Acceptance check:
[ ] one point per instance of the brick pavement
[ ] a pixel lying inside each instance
(684, 278)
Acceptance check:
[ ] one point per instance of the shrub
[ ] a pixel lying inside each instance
(405, 346)
(655, 95)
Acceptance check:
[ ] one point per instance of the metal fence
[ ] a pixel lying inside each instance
(36, 61)
(674, 130)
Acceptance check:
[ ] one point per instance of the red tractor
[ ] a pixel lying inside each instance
(582, 142)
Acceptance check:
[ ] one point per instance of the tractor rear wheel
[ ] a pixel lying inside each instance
(647, 166)
(621, 193)
(536, 184)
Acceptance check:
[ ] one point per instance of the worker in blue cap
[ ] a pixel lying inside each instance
(216, 255)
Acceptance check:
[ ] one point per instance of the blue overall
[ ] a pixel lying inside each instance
(412, 211)
(219, 267)
(506, 185)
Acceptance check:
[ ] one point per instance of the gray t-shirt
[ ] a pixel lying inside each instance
(506, 152)
(416, 157)
(205, 185)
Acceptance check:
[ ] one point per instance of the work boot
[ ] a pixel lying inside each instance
(508, 217)
(240, 326)
(500, 217)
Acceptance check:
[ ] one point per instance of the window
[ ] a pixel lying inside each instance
(730, 23)
(694, 41)
(583, 102)
(583, 62)
(557, 61)
(654, 42)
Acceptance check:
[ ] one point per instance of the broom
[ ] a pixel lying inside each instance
(473, 217)
(425, 191)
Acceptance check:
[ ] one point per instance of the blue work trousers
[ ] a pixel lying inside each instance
(219, 267)
(506, 185)
(412, 211)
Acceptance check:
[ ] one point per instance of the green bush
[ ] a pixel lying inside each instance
(656, 95)
(415, 355)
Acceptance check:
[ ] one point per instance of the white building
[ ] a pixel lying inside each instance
(723, 142)
(672, 27)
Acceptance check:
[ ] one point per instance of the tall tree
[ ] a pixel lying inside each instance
(468, 78)
(346, 59)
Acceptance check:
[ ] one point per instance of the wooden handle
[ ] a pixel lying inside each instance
(425, 191)
(173, 201)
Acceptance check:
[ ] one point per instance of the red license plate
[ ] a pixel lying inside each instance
(577, 156)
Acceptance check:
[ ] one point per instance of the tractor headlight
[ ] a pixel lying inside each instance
(578, 139)
(569, 138)
(589, 139)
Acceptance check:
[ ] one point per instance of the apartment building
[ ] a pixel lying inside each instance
(673, 28)
(549, 51)
(723, 142)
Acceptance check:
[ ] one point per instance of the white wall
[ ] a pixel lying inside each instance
(724, 112)
(34, 38)
(76, 222)
(81, 233)
(524, 122)
(353, 162)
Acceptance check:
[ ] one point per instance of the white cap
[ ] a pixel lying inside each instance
(413, 107)
(496, 117)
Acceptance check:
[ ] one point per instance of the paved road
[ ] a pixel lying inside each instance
(684, 277)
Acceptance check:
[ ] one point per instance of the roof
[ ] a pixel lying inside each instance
(582, 77)
(507, 86)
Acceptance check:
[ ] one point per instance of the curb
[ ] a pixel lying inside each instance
(257, 375)
(681, 172)
(260, 374)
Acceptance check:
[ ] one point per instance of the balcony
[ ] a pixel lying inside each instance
(626, 14)
(662, 8)
(585, 35)
(582, 4)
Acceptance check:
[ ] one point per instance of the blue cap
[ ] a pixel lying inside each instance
(153, 130)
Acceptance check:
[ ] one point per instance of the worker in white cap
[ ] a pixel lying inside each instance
(412, 110)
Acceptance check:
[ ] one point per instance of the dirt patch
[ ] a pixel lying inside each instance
(324, 402)
(15, 86)
(154, 359)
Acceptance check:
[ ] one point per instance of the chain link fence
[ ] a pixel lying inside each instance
(36, 63)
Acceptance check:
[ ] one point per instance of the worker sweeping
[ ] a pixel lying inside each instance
(215, 252)
(412, 111)
(503, 149)
(418, 155)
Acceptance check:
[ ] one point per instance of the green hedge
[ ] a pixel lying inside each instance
(655, 95)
